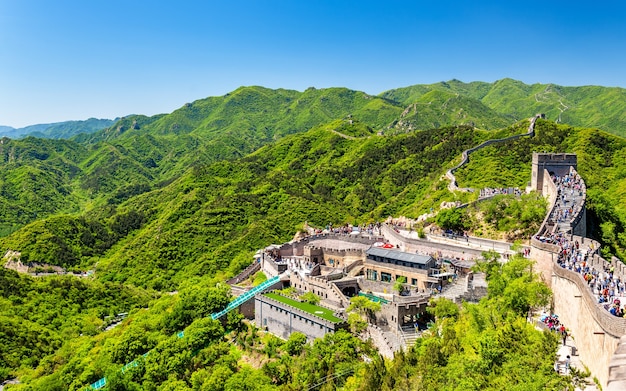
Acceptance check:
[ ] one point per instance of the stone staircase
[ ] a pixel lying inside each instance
(409, 335)
(455, 290)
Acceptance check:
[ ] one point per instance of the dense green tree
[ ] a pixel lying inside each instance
(197, 301)
(453, 218)
(295, 343)
(442, 308)
(360, 312)
(248, 380)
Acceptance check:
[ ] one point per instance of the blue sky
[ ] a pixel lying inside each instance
(67, 60)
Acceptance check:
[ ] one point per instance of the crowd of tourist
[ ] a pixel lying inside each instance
(607, 287)
(605, 284)
(349, 229)
(554, 324)
(492, 191)
(568, 188)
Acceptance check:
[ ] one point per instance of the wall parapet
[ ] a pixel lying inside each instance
(552, 248)
(362, 239)
(245, 273)
(469, 253)
(356, 252)
(612, 325)
(552, 192)
(422, 298)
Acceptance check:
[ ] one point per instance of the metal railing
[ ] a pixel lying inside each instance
(181, 334)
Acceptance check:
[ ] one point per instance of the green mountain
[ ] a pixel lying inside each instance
(38, 315)
(140, 153)
(220, 212)
(181, 201)
(214, 216)
(437, 108)
(101, 196)
(586, 106)
(209, 221)
(36, 179)
(58, 130)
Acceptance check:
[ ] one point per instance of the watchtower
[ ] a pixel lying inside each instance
(553, 163)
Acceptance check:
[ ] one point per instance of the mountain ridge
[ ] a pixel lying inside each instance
(154, 207)
(57, 130)
(502, 100)
(585, 106)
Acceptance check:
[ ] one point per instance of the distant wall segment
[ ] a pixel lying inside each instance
(465, 154)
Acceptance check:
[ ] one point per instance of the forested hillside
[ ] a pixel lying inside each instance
(59, 130)
(488, 345)
(600, 162)
(180, 201)
(585, 106)
(211, 218)
(214, 216)
(38, 316)
(140, 153)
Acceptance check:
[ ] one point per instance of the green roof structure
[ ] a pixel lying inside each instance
(312, 309)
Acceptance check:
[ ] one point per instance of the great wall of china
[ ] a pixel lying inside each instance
(597, 332)
(599, 335)
(465, 155)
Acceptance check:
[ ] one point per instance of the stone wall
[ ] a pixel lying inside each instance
(465, 155)
(399, 306)
(596, 332)
(617, 368)
(331, 296)
(340, 258)
(545, 256)
(377, 287)
(423, 246)
(18, 266)
(572, 285)
(247, 309)
(549, 191)
(245, 273)
(579, 224)
(328, 291)
(272, 268)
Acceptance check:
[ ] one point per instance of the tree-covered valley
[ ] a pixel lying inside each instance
(179, 202)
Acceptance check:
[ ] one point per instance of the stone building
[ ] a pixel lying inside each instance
(283, 316)
(389, 265)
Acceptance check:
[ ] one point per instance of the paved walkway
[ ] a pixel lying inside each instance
(338, 244)
(562, 353)
(468, 242)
